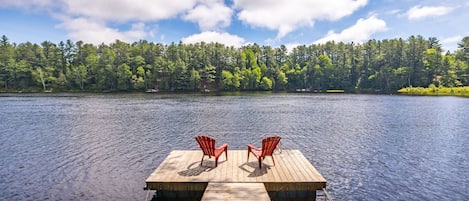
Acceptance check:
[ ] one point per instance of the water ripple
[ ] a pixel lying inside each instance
(103, 147)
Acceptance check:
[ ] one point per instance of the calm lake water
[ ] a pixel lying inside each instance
(103, 147)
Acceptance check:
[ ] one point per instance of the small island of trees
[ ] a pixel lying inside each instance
(376, 66)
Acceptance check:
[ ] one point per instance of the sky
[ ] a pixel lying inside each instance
(233, 22)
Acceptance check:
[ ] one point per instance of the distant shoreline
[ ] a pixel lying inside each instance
(408, 91)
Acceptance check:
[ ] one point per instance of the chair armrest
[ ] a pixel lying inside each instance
(250, 146)
(223, 146)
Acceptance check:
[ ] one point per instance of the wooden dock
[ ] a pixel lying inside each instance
(181, 172)
(235, 191)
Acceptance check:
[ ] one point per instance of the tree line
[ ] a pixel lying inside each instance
(373, 66)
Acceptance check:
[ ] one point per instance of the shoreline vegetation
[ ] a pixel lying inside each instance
(432, 90)
(372, 67)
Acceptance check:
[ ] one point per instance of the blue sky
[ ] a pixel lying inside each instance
(233, 22)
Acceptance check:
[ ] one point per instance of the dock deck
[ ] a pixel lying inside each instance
(181, 171)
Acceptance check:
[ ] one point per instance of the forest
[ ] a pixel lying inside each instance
(375, 66)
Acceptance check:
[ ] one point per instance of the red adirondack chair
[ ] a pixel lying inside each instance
(268, 146)
(207, 144)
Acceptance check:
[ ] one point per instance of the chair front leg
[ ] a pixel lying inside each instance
(202, 160)
(226, 152)
(249, 150)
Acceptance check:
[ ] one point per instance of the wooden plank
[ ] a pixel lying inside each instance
(278, 171)
(313, 172)
(235, 191)
(232, 164)
(246, 168)
(286, 156)
(308, 171)
(287, 177)
(295, 166)
(225, 169)
(270, 175)
(275, 171)
(182, 163)
(295, 169)
(242, 158)
(304, 166)
(165, 170)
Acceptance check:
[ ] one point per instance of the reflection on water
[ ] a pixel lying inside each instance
(103, 147)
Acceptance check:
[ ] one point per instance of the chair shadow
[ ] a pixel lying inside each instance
(257, 172)
(195, 169)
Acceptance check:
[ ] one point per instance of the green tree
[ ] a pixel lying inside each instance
(415, 53)
(181, 76)
(448, 76)
(44, 77)
(124, 76)
(138, 79)
(296, 77)
(209, 74)
(194, 80)
(282, 80)
(105, 72)
(7, 60)
(81, 73)
(464, 49)
(266, 84)
(227, 80)
(432, 62)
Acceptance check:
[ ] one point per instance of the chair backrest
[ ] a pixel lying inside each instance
(269, 144)
(207, 144)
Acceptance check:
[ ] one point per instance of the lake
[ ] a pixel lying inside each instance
(104, 146)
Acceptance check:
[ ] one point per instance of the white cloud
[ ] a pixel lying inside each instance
(451, 43)
(107, 10)
(420, 12)
(291, 46)
(361, 31)
(27, 4)
(210, 15)
(393, 12)
(125, 10)
(211, 36)
(95, 32)
(287, 16)
(453, 39)
(89, 20)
